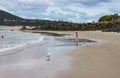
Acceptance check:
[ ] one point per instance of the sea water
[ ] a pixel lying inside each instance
(16, 39)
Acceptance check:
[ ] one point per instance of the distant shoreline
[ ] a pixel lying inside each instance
(11, 28)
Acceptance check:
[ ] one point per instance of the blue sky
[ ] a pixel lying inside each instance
(67, 10)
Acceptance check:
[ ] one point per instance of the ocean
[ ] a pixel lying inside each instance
(16, 39)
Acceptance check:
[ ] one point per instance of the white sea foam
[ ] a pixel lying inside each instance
(13, 40)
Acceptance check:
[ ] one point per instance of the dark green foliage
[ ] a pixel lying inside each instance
(108, 18)
(82, 27)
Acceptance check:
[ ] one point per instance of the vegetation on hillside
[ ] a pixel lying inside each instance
(8, 16)
(109, 18)
(106, 23)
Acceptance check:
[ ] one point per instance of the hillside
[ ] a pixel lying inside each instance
(108, 23)
(9, 19)
(8, 16)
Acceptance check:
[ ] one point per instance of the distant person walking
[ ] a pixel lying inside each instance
(2, 36)
(76, 36)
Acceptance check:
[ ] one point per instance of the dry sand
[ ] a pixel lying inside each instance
(95, 61)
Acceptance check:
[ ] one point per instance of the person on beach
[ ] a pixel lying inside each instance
(76, 36)
(2, 36)
(76, 39)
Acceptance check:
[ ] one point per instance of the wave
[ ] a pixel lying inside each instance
(20, 45)
(5, 45)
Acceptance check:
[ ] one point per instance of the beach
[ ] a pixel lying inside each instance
(95, 61)
(99, 60)
(59, 39)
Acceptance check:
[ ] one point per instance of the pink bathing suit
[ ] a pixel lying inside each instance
(76, 35)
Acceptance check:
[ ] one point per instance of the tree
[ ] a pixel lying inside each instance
(115, 17)
(108, 18)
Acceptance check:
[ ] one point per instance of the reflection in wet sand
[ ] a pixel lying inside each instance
(76, 43)
(49, 57)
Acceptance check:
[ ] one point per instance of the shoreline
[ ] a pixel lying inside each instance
(95, 61)
(11, 28)
(99, 60)
(33, 62)
(33, 58)
(47, 33)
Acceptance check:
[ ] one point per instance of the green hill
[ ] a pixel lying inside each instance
(108, 23)
(8, 16)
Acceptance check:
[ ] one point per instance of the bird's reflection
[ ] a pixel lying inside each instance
(48, 57)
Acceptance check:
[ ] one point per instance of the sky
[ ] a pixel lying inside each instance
(67, 10)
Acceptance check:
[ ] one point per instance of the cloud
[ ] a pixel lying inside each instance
(68, 10)
(36, 2)
(115, 10)
(93, 2)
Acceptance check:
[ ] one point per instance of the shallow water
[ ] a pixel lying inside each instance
(42, 60)
(15, 39)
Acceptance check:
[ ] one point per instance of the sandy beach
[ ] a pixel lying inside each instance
(37, 60)
(95, 61)
(59, 39)
(100, 60)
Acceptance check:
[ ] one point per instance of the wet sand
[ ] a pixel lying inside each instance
(95, 61)
(91, 61)
(40, 60)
